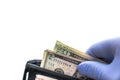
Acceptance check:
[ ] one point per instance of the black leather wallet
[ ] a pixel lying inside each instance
(33, 68)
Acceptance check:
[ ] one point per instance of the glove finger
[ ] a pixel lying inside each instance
(92, 69)
(103, 50)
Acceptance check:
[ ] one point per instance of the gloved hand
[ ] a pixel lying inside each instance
(109, 51)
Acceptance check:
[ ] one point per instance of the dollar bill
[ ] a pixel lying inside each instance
(61, 64)
(41, 77)
(69, 51)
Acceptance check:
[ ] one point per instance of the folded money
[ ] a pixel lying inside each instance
(61, 64)
(65, 59)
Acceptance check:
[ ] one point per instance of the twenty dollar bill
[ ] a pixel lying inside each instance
(69, 51)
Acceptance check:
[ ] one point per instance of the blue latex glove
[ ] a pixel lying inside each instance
(109, 51)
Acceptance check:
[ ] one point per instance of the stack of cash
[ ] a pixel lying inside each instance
(64, 60)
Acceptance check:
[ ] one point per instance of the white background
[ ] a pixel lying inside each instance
(28, 27)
